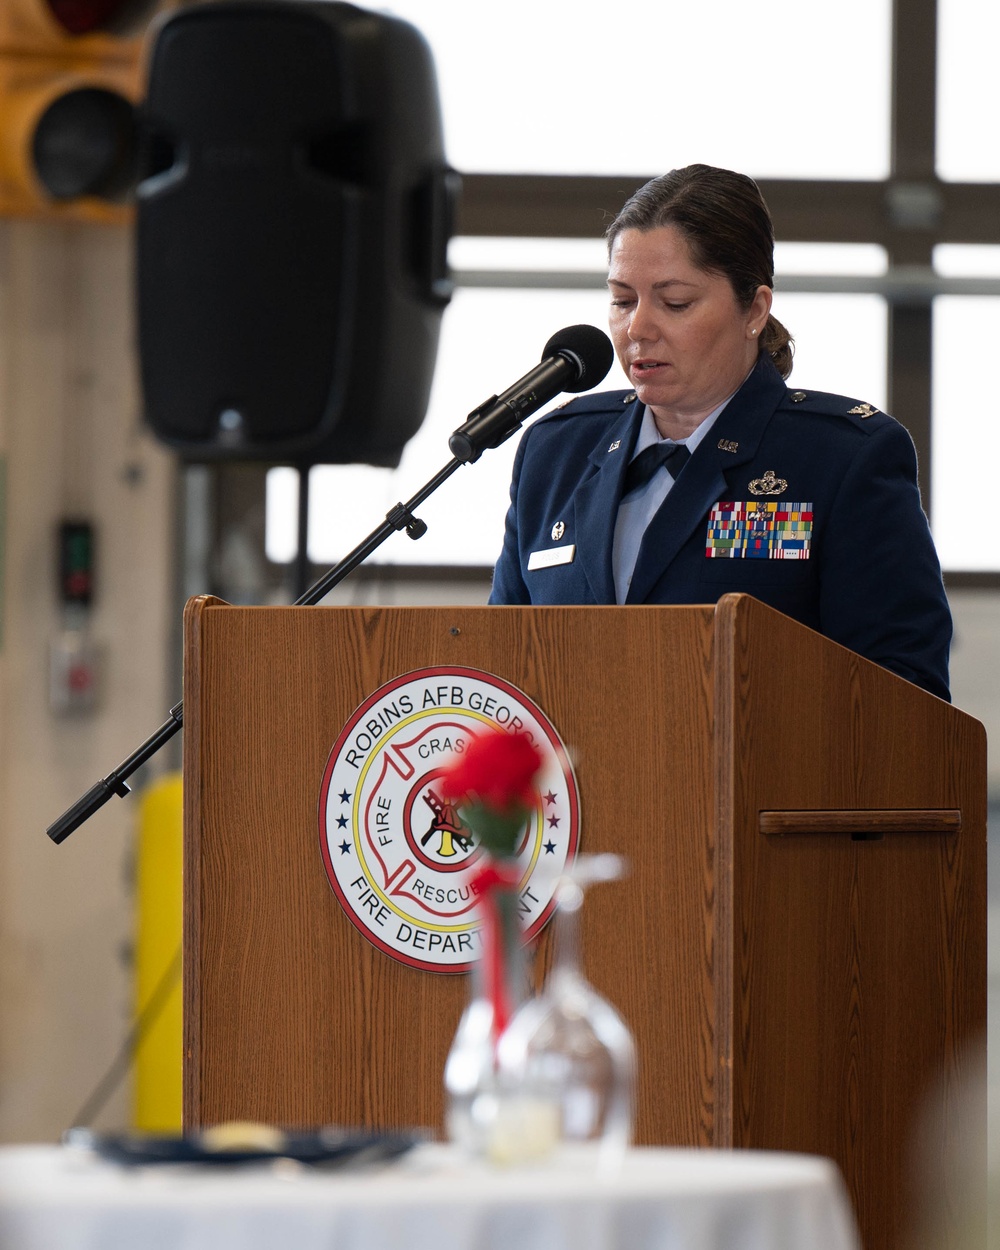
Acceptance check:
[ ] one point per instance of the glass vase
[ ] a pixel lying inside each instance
(567, 1054)
(481, 1119)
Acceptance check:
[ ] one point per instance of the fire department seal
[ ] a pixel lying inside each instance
(397, 854)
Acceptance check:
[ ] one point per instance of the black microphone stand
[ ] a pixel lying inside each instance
(468, 445)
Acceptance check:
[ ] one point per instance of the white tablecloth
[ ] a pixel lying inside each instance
(53, 1198)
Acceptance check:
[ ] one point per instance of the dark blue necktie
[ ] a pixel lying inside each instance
(673, 456)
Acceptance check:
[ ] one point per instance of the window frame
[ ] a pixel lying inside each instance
(908, 214)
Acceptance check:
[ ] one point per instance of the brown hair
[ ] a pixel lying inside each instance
(725, 221)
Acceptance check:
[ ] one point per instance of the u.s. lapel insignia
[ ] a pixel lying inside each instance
(862, 411)
(727, 444)
(558, 530)
(615, 445)
(768, 484)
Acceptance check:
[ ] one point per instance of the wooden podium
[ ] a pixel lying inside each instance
(800, 949)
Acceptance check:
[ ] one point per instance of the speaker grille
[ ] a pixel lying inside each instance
(290, 271)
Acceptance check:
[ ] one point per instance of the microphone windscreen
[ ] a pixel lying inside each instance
(589, 348)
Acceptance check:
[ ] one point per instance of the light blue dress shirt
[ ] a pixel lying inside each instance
(637, 509)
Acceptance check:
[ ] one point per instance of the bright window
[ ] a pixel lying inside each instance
(968, 91)
(840, 343)
(490, 338)
(965, 421)
(541, 86)
(965, 424)
(965, 260)
(966, 431)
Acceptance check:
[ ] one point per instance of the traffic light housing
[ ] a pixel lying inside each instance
(70, 79)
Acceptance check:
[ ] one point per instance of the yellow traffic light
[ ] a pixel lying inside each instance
(70, 77)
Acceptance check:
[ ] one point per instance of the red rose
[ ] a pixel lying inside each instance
(495, 771)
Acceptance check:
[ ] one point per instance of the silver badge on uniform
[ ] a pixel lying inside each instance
(558, 530)
(768, 484)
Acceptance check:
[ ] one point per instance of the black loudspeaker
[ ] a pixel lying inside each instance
(293, 215)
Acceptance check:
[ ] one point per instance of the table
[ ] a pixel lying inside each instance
(56, 1198)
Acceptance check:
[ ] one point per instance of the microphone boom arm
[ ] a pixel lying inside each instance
(400, 517)
(573, 360)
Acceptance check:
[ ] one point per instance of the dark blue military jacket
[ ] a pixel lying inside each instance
(805, 500)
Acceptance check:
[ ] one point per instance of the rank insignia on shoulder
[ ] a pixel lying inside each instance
(630, 398)
(862, 411)
(768, 484)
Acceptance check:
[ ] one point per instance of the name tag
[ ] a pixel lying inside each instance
(551, 557)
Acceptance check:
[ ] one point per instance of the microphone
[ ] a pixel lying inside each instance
(575, 359)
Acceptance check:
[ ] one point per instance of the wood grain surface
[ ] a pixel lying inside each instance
(800, 945)
(292, 1016)
(858, 964)
(861, 824)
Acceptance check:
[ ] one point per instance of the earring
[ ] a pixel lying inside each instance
(753, 333)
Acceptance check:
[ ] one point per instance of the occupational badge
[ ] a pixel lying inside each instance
(768, 484)
(398, 855)
(558, 530)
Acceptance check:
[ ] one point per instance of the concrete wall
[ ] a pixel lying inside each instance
(72, 446)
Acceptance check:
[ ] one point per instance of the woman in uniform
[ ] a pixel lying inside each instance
(711, 474)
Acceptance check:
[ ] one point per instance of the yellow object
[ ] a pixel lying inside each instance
(32, 88)
(68, 70)
(243, 1135)
(157, 1087)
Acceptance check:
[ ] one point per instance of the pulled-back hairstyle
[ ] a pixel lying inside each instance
(725, 221)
